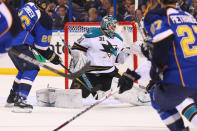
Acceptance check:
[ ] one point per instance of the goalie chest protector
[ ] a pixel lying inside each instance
(101, 50)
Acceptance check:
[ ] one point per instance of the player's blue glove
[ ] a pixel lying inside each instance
(126, 80)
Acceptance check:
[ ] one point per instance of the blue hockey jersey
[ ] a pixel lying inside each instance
(6, 19)
(5, 25)
(38, 24)
(10, 28)
(182, 57)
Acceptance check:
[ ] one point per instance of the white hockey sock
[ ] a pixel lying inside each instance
(194, 120)
(189, 110)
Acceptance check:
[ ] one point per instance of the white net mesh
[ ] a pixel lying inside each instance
(76, 31)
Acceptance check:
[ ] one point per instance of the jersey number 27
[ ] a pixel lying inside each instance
(189, 38)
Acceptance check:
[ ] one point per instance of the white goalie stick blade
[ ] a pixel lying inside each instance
(35, 62)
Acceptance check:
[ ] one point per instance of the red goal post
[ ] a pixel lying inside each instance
(73, 30)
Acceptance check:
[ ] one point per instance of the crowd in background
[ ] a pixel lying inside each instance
(94, 10)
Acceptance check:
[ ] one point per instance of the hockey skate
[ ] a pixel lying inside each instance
(20, 106)
(11, 99)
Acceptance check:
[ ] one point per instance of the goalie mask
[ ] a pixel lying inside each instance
(108, 25)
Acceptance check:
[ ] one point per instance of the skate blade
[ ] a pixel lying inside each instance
(9, 105)
(21, 110)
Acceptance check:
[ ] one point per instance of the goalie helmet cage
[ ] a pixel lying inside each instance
(74, 30)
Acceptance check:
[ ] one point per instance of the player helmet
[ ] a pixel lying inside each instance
(108, 24)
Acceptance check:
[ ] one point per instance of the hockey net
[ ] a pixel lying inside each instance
(127, 30)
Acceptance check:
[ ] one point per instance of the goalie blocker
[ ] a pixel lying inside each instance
(126, 80)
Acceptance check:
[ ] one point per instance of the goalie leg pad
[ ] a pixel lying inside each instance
(46, 97)
(77, 85)
(69, 98)
(136, 96)
(61, 98)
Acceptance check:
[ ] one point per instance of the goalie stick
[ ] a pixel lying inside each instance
(86, 109)
(35, 62)
(89, 85)
(76, 78)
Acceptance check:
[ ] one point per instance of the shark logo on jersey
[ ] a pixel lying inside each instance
(110, 49)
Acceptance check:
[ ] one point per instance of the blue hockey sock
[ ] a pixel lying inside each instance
(24, 90)
(26, 82)
(15, 86)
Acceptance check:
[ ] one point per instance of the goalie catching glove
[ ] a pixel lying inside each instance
(78, 60)
(126, 80)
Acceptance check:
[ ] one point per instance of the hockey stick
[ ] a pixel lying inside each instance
(69, 51)
(35, 62)
(89, 85)
(65, 68)
(76, 78)
(141, 30)
(86, 109)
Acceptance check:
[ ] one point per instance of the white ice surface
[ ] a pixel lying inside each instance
(104, 117)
